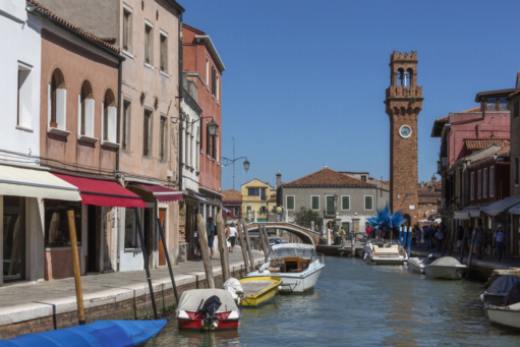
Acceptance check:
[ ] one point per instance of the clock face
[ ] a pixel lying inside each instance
(405, 131)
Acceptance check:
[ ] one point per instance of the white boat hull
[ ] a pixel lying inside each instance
(415, 265)
(508, 316)
(389, 254)
(444, 272)
(300, 282)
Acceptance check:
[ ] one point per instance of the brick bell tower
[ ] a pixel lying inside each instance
(403, 102)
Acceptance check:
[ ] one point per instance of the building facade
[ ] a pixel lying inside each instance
(403, 102)
(203, 67)
(258, 201)
(336, 197)
(232, 205)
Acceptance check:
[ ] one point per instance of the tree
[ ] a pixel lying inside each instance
(304, 217)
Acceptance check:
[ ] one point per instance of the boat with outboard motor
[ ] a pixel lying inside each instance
(384, 253)
(113, 333)
(502, 301)
(418, 264)
(445, 268)
(207, 309)
(297, 265)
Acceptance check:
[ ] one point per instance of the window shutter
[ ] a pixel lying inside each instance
(90, 106)
(49, 103)
(112, 126)
(80, 115)
(61, 108)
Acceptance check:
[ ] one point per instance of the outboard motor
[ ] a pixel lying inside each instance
(209, 310)
(234, 287)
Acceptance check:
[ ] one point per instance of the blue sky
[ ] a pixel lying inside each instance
(305, 80)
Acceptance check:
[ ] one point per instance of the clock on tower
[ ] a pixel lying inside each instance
(403, 102)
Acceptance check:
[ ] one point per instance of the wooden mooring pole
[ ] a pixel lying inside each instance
(204, 250)
(168, 260)
(243, 245)
(140, 232)
(76, 266)
(249, 248)
(264, 242)
(222, 248)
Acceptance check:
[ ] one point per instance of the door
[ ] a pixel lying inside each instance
(94, 238)
(162, 221)
(14, 239)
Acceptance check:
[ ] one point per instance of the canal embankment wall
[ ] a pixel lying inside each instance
(106, 297)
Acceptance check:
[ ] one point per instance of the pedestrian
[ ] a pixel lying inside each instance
(500, 243)
(233, 232)
(477, 239)
(439, 238)
(211, 231)
(369, 230)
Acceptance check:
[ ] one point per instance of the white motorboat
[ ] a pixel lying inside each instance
(384, 253)
(296, 264)
(446, 268)
(417, 265)
(502, 301)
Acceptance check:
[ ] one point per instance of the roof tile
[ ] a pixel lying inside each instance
(327, 178)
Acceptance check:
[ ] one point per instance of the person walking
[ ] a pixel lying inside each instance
(211, 231)
(233, 233)
(500, 243)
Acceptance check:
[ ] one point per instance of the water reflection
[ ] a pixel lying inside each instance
(355, 304)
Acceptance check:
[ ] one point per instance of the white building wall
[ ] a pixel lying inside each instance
(190, 149)
(22, 43)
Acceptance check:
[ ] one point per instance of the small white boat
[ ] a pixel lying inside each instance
(417, 265)
(297, 265)
(502, 301)
(384, 253)
(446, 268)
(504, 315)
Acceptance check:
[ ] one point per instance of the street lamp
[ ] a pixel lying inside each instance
(231, 161)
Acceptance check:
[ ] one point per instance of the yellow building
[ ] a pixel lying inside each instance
(258, 201)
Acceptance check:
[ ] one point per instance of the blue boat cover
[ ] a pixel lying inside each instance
(507, 287)
(109, 333)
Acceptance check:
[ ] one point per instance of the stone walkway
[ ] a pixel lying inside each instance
(25, 301)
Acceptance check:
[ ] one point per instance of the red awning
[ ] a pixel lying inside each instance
(159, 193)
(103, 193)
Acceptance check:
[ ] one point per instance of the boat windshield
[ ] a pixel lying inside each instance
(307, 253)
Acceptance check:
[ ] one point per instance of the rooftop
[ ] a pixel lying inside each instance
(327, 178)
(231, 196)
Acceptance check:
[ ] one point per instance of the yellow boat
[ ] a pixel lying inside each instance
(259, 290)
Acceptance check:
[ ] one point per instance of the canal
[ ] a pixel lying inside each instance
(355, 304)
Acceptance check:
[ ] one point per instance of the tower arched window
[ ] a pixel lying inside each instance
(57, 101)
(86, 110)
(109, 117)
(409, 74)
(400, 77)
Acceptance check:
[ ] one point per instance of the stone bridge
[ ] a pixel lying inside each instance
(308, 236)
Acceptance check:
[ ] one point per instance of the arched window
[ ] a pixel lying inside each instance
(86, 110)
(109, 117)
(400, 77)
(57, 101)
(409, 74)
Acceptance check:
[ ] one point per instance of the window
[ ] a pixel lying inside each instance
(163, 40)
(109, 118)
(147, 132)
(14, 242)
(23, 114)
(197, 139)
(345, 202)
(148, 44)
(516, 108)
(472, 185)
(162, 138)
(218, 89)
(127, 30)
(56, 223)
(211, 143)
(57, 101)
(86, 110)
(485, 183)
(330, 205)
(369, 202)
(315, 202)
(213, 81)
(131, 236)
(253, 191)
(290, 202)
(125, 133)
(492, 182)
(207, 73)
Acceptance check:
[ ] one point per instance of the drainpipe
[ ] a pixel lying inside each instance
(119, 108)
(179, 152)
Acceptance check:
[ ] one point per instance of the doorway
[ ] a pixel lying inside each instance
(162, 221)
(14, 239)
(94, 238)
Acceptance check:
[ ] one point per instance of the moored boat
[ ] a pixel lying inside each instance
(113, 333)
(417, 265)
(207, 309)
(296, 264)
(447, 268)
(384, 253)
(504, 315)
(502, 301)
(259, 290)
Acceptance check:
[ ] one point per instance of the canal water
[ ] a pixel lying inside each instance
(355, 304)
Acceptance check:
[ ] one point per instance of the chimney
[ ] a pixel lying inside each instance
(278, 179)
